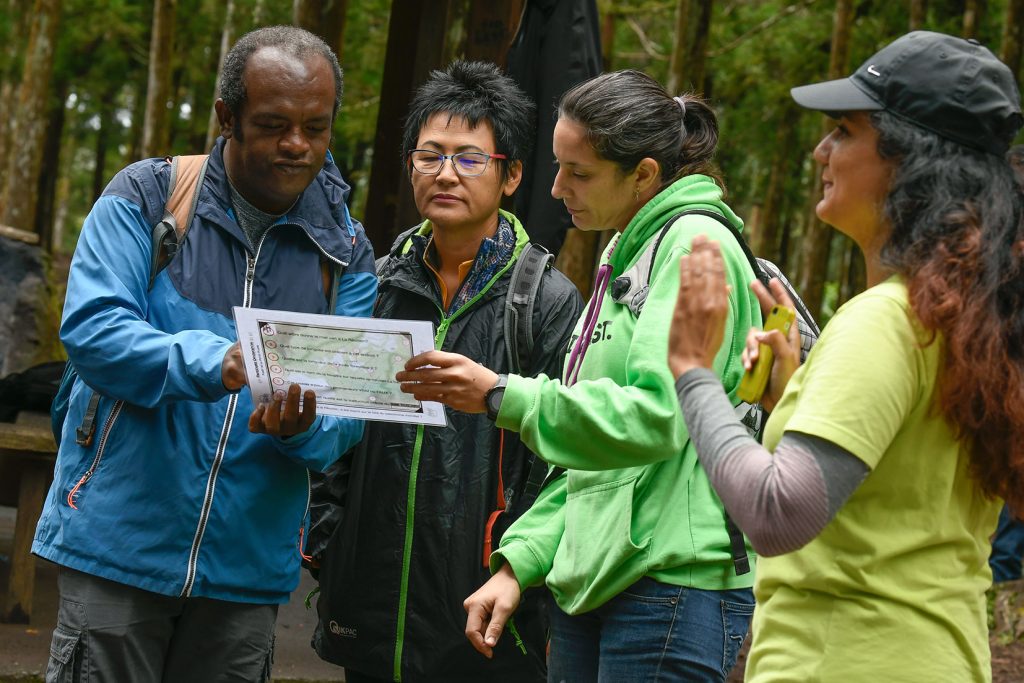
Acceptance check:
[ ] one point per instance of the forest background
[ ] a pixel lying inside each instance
(87, 87)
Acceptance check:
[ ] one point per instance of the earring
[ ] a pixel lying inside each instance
(636, 193)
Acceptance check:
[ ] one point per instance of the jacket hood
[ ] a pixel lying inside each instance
(691, 192)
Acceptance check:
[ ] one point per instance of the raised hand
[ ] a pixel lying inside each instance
(698, 323)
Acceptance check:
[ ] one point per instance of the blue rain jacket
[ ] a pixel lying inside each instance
(174, 495)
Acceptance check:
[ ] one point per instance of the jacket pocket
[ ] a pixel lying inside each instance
(73, 495)
(598, 556)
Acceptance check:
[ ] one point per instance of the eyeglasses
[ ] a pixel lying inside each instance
(466, 164)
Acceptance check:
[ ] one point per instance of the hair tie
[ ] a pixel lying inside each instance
(682, 104)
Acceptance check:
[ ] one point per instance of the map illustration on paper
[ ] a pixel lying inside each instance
(349, 362)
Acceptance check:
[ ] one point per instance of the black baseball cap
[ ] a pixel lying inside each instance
(954, 87)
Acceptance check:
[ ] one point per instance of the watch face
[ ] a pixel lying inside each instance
(494, 400)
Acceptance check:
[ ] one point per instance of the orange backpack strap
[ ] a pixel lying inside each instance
(187, 174)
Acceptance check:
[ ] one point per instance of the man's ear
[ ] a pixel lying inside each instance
(515, 176)
(648, 174)
(225, 118)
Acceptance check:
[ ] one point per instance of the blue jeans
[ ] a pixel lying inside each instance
(1007, 548)
(652, 631)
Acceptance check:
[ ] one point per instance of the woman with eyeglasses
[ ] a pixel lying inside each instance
(647, 581)
(409, 516)
(877, 489)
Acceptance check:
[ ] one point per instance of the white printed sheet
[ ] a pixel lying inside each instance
(349, 362)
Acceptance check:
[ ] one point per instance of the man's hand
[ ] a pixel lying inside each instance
(453, 380)
(489, 609)
(232, 369)
(283, 417)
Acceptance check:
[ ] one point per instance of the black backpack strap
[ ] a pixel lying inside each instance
(518, 327)
(737, 546)
(755, 264)
(522, 295)
(85, 431)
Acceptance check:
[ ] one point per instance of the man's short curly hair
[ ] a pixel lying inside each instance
(291, 40)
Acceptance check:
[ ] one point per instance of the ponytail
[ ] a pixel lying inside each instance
(628, 117)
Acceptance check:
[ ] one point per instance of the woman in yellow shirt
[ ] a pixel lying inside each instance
(876, 490)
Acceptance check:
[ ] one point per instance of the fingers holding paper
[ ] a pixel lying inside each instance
(283, 416)
(449, 378)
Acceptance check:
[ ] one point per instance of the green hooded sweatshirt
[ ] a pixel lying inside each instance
(635, 501)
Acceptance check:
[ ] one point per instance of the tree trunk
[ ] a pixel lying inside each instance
(29, 128)
(767, 242)
(852, 281)
(490, 28)
(974, 10)
(134, 147)
(99, 169)
(50, 166)
(259, 12)
(1010, 51)
(918, 14)
(10, 76)
(325, 18)
(227, 37)
(156, 130)
(417, 34)
(818, 236)
(608, 40)
(698, 59)
(677, 65)
(62, 193)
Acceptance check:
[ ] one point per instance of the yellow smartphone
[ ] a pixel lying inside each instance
(755, 380)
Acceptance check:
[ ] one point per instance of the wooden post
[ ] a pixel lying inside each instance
(30, 443)
(417, 35)
(490, 28)
(22, 581)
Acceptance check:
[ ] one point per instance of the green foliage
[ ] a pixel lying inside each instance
(756, 51)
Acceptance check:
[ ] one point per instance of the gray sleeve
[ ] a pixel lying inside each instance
(781, 501)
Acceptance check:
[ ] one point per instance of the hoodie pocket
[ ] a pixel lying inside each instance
(599, 555)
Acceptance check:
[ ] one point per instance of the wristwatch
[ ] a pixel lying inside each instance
(492, 399)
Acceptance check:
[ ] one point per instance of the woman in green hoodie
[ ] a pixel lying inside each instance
(630, 537)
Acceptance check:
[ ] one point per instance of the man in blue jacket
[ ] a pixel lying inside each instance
(178, 528)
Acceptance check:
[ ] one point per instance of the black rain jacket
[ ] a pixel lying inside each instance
(406, 512)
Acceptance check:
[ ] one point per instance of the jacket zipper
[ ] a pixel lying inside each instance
(410, 504)
(100, 447)
(305, 515)
(222, 443)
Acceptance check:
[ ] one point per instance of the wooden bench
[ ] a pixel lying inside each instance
(27, 455)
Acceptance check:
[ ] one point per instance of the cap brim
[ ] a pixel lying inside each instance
(834, 97)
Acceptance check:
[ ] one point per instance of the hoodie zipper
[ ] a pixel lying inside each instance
(100, 447)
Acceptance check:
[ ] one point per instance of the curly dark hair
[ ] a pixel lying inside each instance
(475, 91)
(291, 40)
(957, 218)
